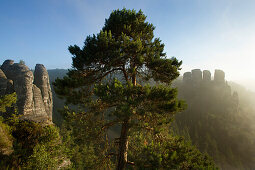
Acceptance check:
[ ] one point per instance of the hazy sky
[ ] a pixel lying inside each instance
(206, 34)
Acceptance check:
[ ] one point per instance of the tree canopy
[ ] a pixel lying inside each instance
(107, 75)
(125, 45)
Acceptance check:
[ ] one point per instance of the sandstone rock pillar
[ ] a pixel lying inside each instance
(41, 80)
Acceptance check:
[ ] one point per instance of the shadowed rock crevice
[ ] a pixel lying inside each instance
(34, 96)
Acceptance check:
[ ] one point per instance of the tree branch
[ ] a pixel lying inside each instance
(104, 75)
(125, 73)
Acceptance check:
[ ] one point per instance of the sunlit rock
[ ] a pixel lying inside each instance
(34, 103)
(42, 81)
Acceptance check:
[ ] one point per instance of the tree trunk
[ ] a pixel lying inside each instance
(123, 146)
(134, 74)
(123, 143)
(134, 80)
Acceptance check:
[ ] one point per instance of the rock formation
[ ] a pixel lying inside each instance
(219, 76)
(42, 81)
(198, 80)
(196, 75)
(206, 76)
(187, 77)
(3, 82)
(34, 97)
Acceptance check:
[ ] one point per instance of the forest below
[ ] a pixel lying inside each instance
(214, 122)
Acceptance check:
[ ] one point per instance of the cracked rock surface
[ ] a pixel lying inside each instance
(34, 96)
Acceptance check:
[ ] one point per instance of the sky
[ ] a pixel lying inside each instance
(205, 34)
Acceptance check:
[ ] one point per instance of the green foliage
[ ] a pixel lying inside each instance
(104, 82)
(165, 151)
(28, 134)
(125, 46)
(5, 138)
(35, 146)
(84, 137)
(173, 154)
(7, 101)
(26, 144)
(161, 98)
(147, 149)
(41, 159)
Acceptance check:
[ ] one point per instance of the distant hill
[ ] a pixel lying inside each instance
(219, 119)
(55, 73)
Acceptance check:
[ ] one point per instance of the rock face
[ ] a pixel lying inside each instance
(187, 77)
(219, 76)
(3, 82)
(206, 76)
(198, 80)
(6, 64)
(196, 75)
(34, 101)
(42, 81)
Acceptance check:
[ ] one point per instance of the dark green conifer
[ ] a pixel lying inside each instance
(109, 67)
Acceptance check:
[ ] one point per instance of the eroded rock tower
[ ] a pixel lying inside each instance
(34, 96)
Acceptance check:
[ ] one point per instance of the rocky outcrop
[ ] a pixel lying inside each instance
(198, 80)
(6, 64)
(206, 76)
(187, 77)
(3, 82)
(219, 76)
(34, 101)
(196, 75)
(42, 81)
(22, 79)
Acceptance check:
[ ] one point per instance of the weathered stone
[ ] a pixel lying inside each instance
(38, 101)
(187, 77)
(10, 88)
(206, 76)
(6, 85)
(42, 81)
(22, 79)
(6, 64)
(3, 83)
(196, 75)
(2, 75)
(34, 103)
(219, 76)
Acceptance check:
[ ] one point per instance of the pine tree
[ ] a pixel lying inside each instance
(106, 77)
